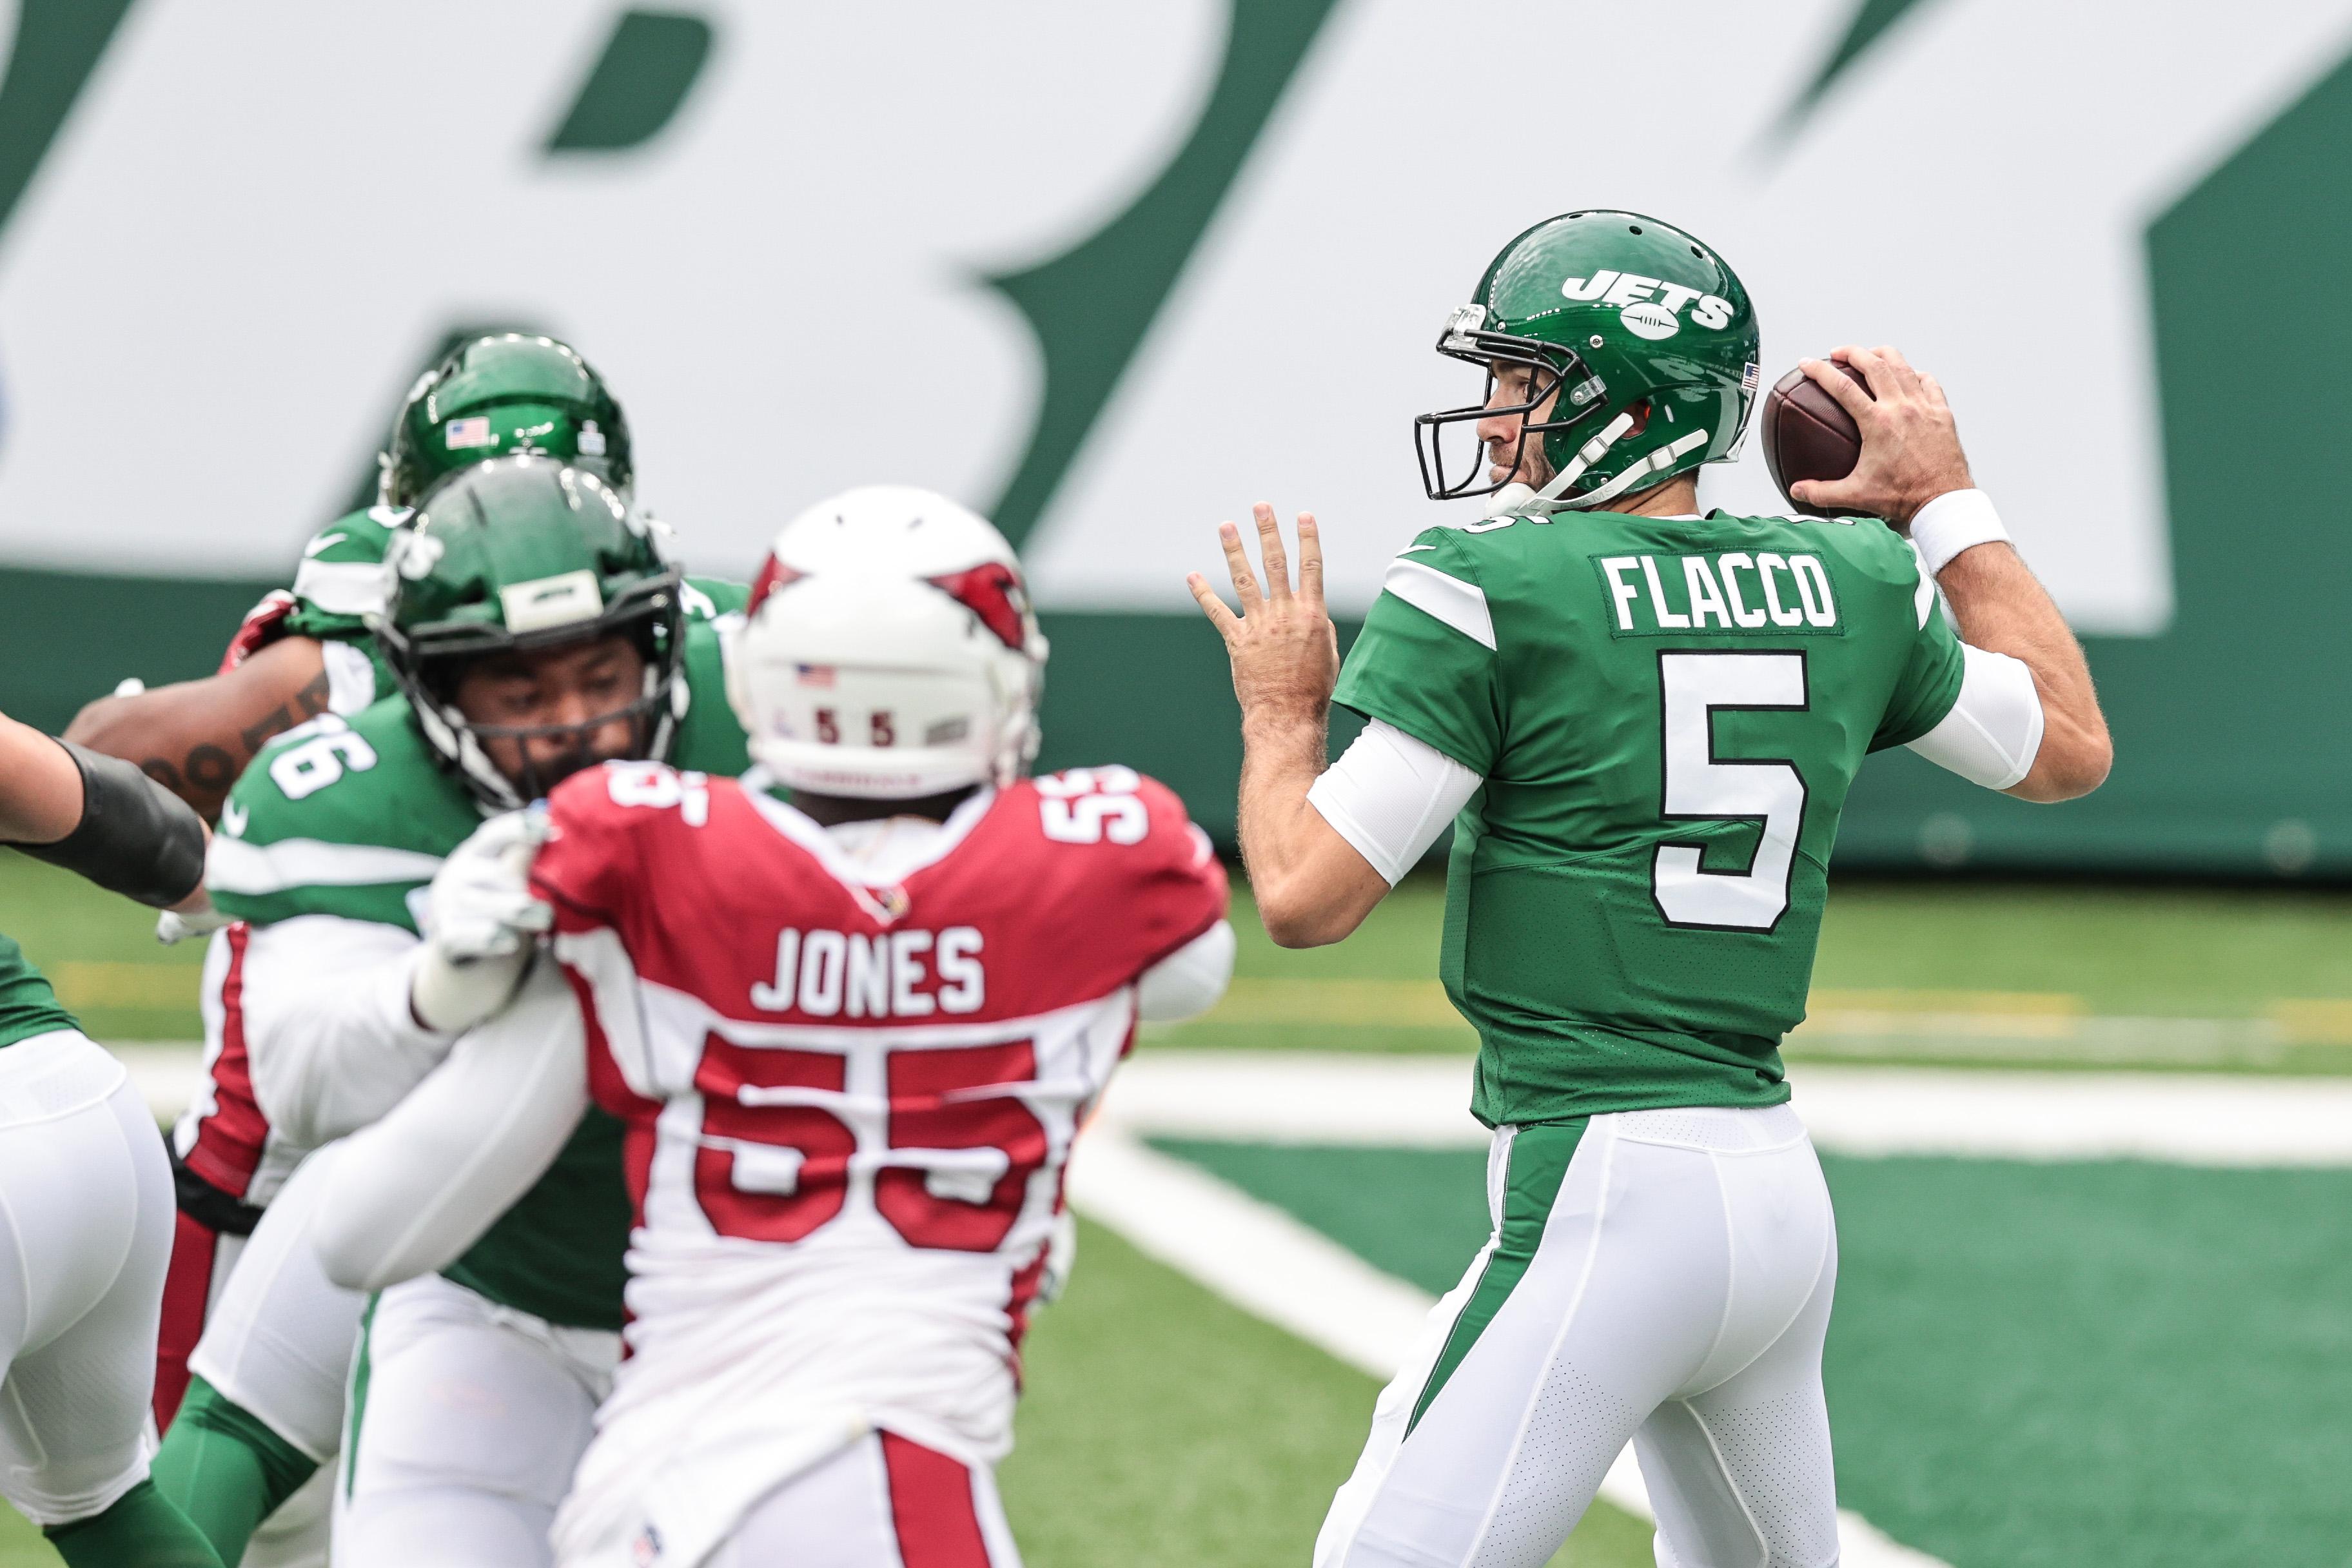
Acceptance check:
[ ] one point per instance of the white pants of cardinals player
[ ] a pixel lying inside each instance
(466, 1420)
(278, 1342)
(882, 1502)
(1662, 1275)
(86, 1221)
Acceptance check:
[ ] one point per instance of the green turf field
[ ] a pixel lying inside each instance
(101, 952)
(2038, 956)
(1163, 1428)
(1966, 973)
(2032, 1364)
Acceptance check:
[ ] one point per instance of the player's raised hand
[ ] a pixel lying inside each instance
(1285, 650)
(1910, 445)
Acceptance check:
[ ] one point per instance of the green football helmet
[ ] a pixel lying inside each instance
(1644, 335)
(501, 395)
(517, 555)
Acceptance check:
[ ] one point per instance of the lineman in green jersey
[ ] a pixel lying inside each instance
(1643, 722)
(85, 1187)
(304, 651)
(533, 628)
(307, 650)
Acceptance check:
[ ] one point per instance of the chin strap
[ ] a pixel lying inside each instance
(1517, 499)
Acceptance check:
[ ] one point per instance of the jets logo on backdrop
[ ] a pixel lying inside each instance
(1655, 319)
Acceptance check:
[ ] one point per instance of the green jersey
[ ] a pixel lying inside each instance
(352, 819)
(339, 583)
(1667, 713)
(28, 1005)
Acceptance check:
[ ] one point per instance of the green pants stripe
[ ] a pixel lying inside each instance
(359, 1397)
(1536, 1165)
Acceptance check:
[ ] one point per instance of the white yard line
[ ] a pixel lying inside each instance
(170, 1073)
(2196, 1119)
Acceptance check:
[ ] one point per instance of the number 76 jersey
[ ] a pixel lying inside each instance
(850, 1065)
(1667, 713)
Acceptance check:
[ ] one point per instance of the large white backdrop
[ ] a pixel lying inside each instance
(262, 212)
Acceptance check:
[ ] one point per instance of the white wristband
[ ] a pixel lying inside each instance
(1954, 522)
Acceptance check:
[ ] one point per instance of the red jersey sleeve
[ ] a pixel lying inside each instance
(1141, 880)
(1181, 890)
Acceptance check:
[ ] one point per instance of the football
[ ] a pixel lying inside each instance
(1808, 436)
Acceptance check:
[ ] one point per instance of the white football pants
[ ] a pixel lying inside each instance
(467, 1419)
(882, 1502)
(1663, 1276)
(86, 1221)
(277, 1341)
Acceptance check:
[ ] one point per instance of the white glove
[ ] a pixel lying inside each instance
(178, 925)
(1061, 1257)
(481, 924)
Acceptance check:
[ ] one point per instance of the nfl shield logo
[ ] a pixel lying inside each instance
(462, 434)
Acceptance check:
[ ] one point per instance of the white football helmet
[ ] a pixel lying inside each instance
(888, 650)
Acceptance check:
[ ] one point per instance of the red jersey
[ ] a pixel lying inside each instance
(850, 1083)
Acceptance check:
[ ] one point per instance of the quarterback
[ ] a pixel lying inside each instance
(532, 628)
(85, 1188)
(1642, 722)
(850, 1013)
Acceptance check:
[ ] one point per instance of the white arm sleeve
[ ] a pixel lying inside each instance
(1994, 729)
(327, 1025)
(1391, 795)
(409, 1195)
(1189, 981)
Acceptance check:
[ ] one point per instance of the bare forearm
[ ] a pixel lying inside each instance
(1282, 755)
(42, 800)
(193, 738)
(2001, 606)
(1312, 886)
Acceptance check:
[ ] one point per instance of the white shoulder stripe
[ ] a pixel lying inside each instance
(1925, 599)
(236, 866)
(341, 587)
(1462, 605)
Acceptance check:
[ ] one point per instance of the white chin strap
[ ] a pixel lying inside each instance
(1515, 499)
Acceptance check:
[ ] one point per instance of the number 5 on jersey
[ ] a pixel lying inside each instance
(1701, 786)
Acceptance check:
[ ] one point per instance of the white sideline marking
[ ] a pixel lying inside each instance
(169, 1073)
(1251, 1253)
(2193, 1119)
(1277, 1268)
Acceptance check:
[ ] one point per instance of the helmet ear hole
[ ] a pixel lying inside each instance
(1641, 413)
